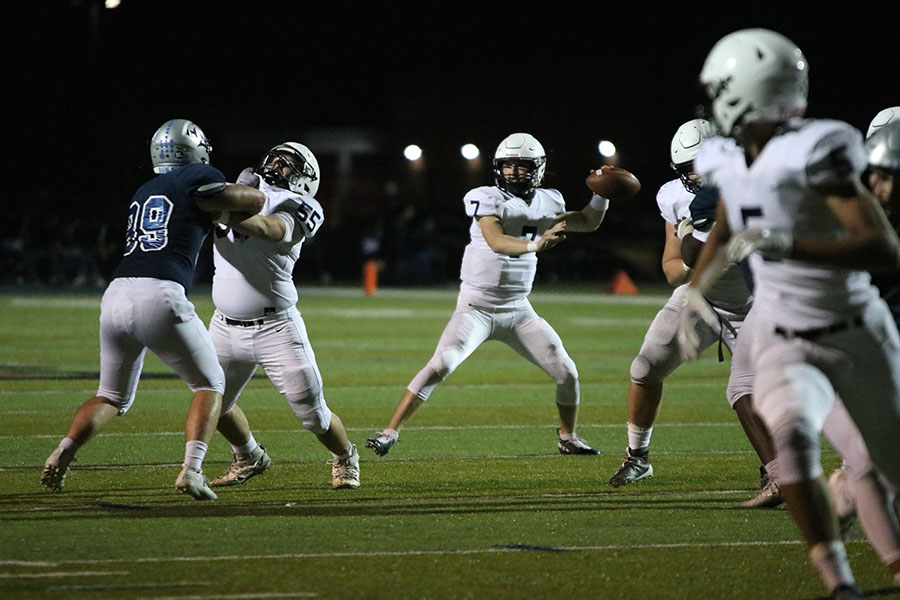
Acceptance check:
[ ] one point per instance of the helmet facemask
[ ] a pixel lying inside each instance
(689, 179)
(520, 149)
(286, 168)
(523, 180)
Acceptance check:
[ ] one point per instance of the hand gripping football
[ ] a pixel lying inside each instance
(614, 183)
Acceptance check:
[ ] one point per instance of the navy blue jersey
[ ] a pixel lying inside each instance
(165, 226)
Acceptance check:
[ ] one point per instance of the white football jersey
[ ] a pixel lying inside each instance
(779, 191)
(498, 278)
(730, 291)
(253, 275)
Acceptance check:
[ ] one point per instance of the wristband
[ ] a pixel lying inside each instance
(531, 247)
(599, 203)
(223, 218)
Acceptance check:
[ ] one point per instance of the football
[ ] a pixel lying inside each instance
(614, 183)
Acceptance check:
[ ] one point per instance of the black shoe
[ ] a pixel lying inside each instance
(574, 446)
(381, 444)
(845, 591)
(635, 467)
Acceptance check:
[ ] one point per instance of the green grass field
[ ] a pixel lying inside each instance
(473, 502)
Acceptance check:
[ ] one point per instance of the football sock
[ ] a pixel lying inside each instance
(68, 445)
(639, 437)
(249, 449)
(830, 558)
(389, 434)
(567, 437)
(345, 454)
(194, 453)
(772, 469)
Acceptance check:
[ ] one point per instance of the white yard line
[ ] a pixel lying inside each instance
(407, 429)
(57, 573)
(372, 554)
(249, 596)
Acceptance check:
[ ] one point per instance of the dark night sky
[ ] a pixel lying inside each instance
(84, 99)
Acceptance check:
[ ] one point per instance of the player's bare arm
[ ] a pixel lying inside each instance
(266, 227)
(673, 265)
(873, 243)
(233, 204)
(585, 220)
(501, 243)
(234, 197)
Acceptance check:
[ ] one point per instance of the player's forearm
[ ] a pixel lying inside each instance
(263, 227)
(676, 271)
(511, 246)
(234, 197)
(587, 219)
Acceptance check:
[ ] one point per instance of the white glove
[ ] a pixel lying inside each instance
(248, 178)
(694, 310)
(770, 243)
(684, 228)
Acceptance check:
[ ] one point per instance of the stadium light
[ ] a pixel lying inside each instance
(112, 3)
(412, 153)
(470, 151)
(606, 148)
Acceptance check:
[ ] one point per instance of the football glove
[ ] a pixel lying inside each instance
(684, 228)
(769, 243)
(248, 178)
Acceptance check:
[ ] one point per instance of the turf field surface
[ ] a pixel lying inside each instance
(473, 502)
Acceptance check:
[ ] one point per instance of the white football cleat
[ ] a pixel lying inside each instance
(55, 470)
(243, 468)
(345, 471)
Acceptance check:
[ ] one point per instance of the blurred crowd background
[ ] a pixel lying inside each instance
(88, 83)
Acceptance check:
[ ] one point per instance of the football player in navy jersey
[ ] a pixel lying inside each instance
(146, 306)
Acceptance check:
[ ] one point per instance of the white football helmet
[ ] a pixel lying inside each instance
(888, 115)
(755, 75)
(883, 147)
(685, 146)
(520, 147)
(177, 143)
(303, 175)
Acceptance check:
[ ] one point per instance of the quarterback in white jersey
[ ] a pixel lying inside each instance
(256, 321)
(792, 199)
(661, 352)
(511, 223)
